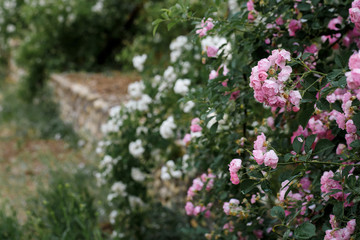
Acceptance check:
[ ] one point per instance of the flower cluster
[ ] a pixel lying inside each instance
(337, 233)
(261, 155)
(268, 81)
(205, 27)
(354, 13)
(205, 181)
(234, 167)
(232, 207)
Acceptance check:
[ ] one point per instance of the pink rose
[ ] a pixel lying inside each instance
(195, 121)
(235, 165)
(250, 5)
(355, 4)
(234, 178)
(295, 98)
(260, 143)
(197, 184)
(197, 210)
(354, 15)
(340, 120)
(262, 76)
(212, 51)
(333, 22)
(258, 156)
(340, 148)
(271, 159)
(350, 127)
(285, 73)
(195, 128)
(294, 26)
(270, 88)
(187, 138)
(226, 208)
(263, 65)
(189, 208)
(279, 21)
(354, 61)
(213, 74)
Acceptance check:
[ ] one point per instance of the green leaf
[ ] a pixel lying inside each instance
(309, 142)
(297, 145)
(247, 185)
(304, 7)
(323, 145)
(287, 157)
(323, 104)
(338, 210)
(171, 25)
(356, 119)
(307, 109)
(265, 185)
(156, 24)
(305, 231)
(278, 212)
(286, 234)
(355, 144)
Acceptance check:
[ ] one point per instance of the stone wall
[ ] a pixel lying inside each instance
(85, 99)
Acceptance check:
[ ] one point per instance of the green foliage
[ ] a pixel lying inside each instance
(64, 210)
(10, 229)
(39, 117)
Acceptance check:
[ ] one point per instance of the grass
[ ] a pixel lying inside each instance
(47, 184)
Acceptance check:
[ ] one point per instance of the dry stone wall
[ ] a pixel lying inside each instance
(85, 99)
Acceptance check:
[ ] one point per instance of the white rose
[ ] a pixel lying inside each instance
(136, 149)
(182, 86)
(137, 175)
(167, 128)
(135, 89)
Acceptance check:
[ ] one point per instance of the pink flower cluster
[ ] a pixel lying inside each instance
(195, 131)
(232, 207)
(353, 77)
(328, 184)
(261, 155)
(268, 78)
(318, 124)
(192, 210)
(334, 37)
(207, 181)
(294, 26)
(251, 9)
(354, 13)
(337, 233)
(292, 199)
(205, 27)
(234, 167)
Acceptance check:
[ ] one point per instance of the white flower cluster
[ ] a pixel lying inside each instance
(169, 170)
(221, 122)
(139, 101)
(136, 149)
(218, 42)
(101, 146)
(98, 7)
(137, 175)
(106, 165)
(177, 46)
(188, 106)
(118, 189)
(115, 121)
(182, 86)
(167, 128)
(138, 62)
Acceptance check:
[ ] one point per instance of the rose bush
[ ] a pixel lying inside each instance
(265, 123)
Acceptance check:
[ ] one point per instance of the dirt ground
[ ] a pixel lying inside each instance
(27, 163)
